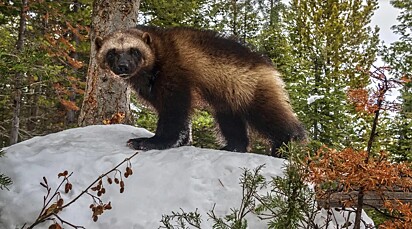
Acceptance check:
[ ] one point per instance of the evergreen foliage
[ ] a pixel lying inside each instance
(4, 180)
(332, 43)
(182, 220)
(173, 13)
(291, 201)
(288, 203)
(399, 57)
(51, 65)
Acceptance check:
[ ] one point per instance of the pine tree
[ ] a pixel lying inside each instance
(46, 69)
(166, 13)
(5, 181)
(332, 44)
(399, 57)
(17, 100)
(272, 39)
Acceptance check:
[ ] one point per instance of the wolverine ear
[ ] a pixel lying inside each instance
(147, 38)
(98, 42)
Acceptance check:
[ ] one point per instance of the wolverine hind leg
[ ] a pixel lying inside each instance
(275, 120)
(233, 128)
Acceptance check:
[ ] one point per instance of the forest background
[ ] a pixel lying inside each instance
(326, 51)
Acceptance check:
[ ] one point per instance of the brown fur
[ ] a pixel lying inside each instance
(180, 65)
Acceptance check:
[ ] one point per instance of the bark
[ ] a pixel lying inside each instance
(106, 95)
(383, 87)
(359, 208)
(33, 99)
(235, 15)
(15, 125)
(71, 114)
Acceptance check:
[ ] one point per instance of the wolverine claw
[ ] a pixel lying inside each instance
(234, 148)
(137, 143)
(148, 143)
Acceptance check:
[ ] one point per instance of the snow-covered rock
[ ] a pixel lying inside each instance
(185, 178)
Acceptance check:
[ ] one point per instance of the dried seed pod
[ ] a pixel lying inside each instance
(99, 210)
(122, 190)
(60, 202)
(109, 180)
(91, 206)
(99, 193)
(55, 226)
(67, 187)
(95, 218)
(121, 184)
(103, 190)
(116, 180)
(63, 174)
(108, 206)
(93, 189)
(126, 174)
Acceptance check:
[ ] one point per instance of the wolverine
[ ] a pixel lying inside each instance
(173, 69)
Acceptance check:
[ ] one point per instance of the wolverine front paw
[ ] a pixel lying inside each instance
(234, 148)
(140, 144)
(149, 143)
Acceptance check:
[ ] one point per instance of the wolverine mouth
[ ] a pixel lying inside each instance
(121, 75)
(124, 75)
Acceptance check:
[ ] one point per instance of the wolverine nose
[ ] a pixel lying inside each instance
(123, 68)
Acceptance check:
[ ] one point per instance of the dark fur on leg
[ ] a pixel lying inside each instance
(158, 143)
(172, 127)
(233, 129)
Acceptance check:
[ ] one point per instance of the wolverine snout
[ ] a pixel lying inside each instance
(123, 68)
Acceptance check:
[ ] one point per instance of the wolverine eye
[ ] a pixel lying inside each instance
(135, 53)
(111, 55)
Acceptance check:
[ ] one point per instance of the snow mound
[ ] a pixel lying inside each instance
(185, 178)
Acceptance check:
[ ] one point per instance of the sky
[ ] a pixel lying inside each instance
(163, 181)
(385, 17)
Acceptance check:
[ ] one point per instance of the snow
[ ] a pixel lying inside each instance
(185, 178)
(313, 98)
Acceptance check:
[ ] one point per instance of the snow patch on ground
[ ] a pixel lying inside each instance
(163, 181)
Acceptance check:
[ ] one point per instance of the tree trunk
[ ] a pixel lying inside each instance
(33, 100)
(15, 124)
(71, 113)
(106, 95)
(235, 14)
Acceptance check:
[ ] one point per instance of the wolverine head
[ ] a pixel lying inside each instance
(125, 52)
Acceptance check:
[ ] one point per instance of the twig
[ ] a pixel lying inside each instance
(42, 217)
(100, 177)
(382, 90)
(383, 213)
(65, 222)
(262, 202)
